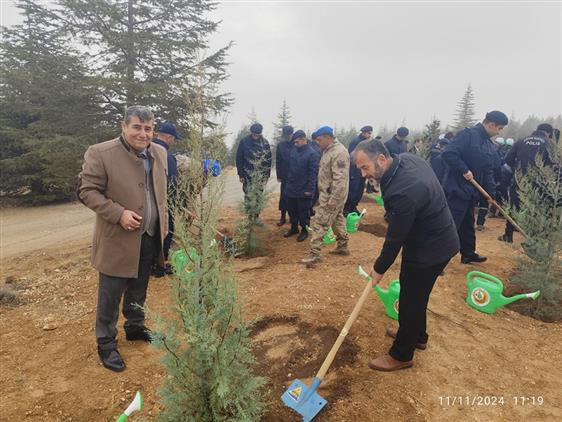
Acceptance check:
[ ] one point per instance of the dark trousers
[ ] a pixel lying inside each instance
(515, 203)
(482, 212)
(133, 291)
(356, 189)
(283, 205)
(299, 211)
(169, 237)
(463, 213)
(415, 287)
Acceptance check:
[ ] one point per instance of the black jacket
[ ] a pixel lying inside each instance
(395, 146)
(249, 151)
(283, 152)
(437, 164)
(303, 172)
(354, 172)
(524, 151)
(419, 220)
(471, 150)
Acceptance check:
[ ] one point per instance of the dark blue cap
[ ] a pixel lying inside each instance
(287, 130)
(367, 129)
(545, 127)
(170, 129)
(497, 117)
(256, 128)
(313, 136)
(298, 134)
(325, 130)
(402, 131)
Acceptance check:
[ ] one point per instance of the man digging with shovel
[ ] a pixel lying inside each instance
(419, 223)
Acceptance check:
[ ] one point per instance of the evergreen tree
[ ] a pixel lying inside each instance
(242, 133)
(540, 193)
(345, 136)
(464, 116)
(432, 130)
(283, 119)
(207, 350)
(147, 52)
(48, 109)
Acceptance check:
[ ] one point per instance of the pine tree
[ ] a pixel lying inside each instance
(283, 119)
(464, 116)
(146, 52)
(207, 351)
(540, 193)
(345, 136)
(432, 130)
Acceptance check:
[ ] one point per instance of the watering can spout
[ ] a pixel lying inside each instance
(511, 299)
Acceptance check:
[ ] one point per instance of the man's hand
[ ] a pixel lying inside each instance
(468, 175)
(241, 180)
(308, 194)
(376, 277)
(130, 220)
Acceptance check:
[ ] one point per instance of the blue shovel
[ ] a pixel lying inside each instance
(304, 399)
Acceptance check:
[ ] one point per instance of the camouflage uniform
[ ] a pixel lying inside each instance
(333, 183)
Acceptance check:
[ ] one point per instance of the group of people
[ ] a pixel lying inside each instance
(429, 209)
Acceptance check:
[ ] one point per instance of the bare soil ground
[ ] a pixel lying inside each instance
(50, 370)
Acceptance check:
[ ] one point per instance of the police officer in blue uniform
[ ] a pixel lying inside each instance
(301, 184)
(356, 181)
(471, 155)
(398, 144)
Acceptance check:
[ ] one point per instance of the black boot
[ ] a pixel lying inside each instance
(111, 359)
(302, 235)
(138, 333)
(282, 220)
(473, 258)
(506, 238)
(292, 231)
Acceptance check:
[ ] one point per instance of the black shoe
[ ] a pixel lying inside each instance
(111, 359)
(506, 238)
(158, 271)
(138, 333)
(302, 235)
(473, 258)
(291, 232)
(281, 221)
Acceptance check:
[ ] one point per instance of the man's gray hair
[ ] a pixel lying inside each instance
(372, 147)
(143, 113)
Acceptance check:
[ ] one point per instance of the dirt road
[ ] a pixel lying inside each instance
(24, 230)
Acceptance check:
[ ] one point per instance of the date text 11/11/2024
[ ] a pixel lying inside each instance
(491, 400)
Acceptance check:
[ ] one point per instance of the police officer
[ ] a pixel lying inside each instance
(282, 154)
(435, 159)
(398, 144)
(521, 157)
(356, 181)
(166, 136)
(333, 183)
(253, 150)
(420, 224)
(301, 184)
(471, 155)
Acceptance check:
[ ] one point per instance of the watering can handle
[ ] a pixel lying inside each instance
(332, 354)
(488, 277)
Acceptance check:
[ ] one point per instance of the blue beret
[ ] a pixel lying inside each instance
(497, 117)
(402, 131)
(170, 129)
(298, 134)
(313, 136)
(256, 128)
(287, 130)
(325, 130)
(367, 129)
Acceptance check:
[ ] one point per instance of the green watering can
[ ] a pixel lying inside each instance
(352, 221)
(376, 198)
(183, 262)
(390, 297)
(136, 405)
(329, 237)
(485, 292)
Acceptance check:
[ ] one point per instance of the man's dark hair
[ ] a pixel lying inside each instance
(143, 113)
(372, 148)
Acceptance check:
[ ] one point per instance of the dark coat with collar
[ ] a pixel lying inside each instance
(395, 146)
(113, 180)
(419, 220)
(248, 151)
(303, 172)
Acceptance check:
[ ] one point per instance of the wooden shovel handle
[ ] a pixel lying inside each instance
(489, 198)
(332, 354)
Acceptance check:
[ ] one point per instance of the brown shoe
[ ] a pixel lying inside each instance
(387, 363)
(391, 332)
(340, 251)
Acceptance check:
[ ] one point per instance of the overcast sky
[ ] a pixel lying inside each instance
(373, 62)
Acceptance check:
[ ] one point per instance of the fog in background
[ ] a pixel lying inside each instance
(367, 62)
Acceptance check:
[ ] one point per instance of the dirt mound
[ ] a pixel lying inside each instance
(378, 230)
(287, 348)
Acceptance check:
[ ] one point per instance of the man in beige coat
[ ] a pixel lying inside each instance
(124, 182)
(333, 187)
